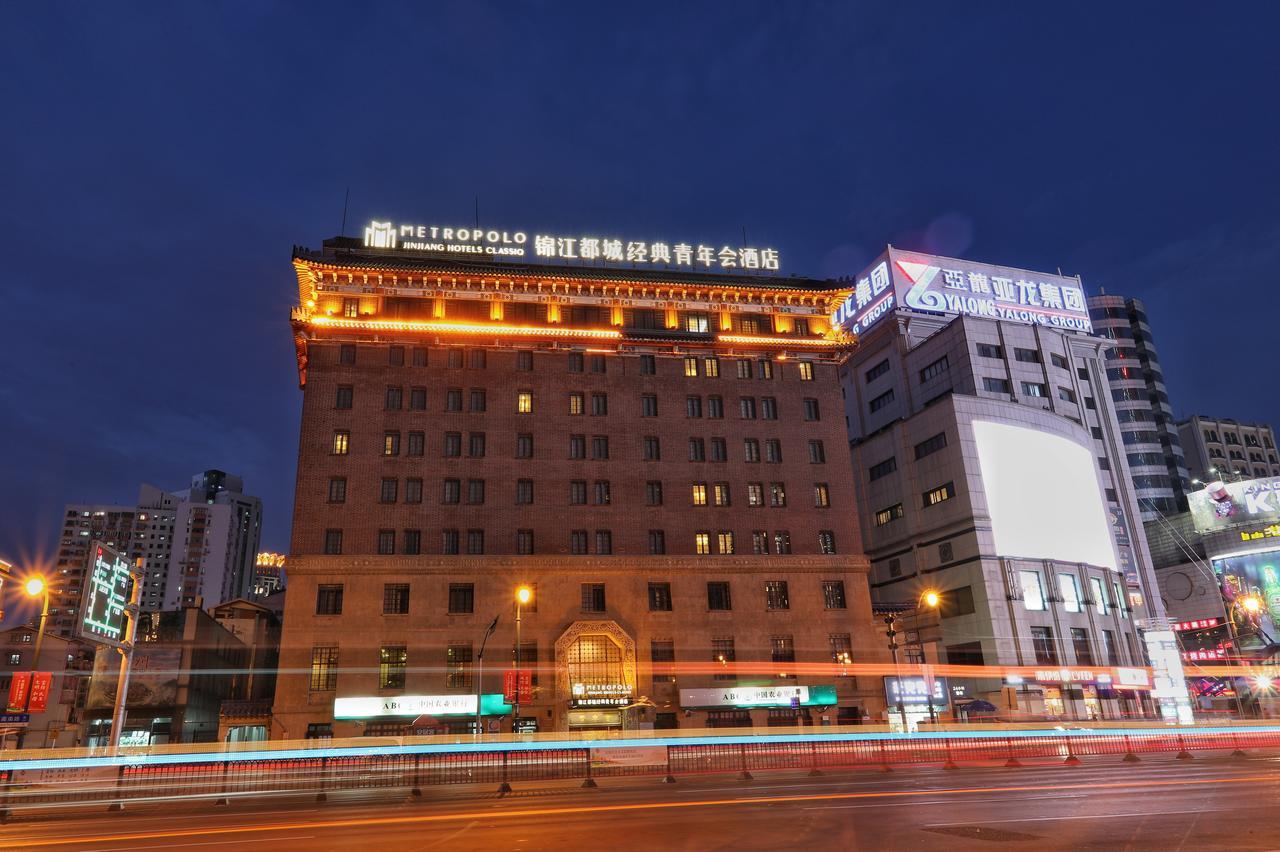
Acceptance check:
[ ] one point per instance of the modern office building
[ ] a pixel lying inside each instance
(656, 453)
(1228, 449)
(992, 467)
(1141, 401)
(200, 542)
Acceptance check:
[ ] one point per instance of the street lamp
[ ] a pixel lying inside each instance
(524, 594)
(930, 598)
(37, 587)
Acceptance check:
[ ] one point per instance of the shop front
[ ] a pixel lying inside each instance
(596, 677)
(419, 715)
(772, 706)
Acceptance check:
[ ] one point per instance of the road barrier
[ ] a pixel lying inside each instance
(44, 779)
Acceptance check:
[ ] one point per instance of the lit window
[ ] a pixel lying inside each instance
(699, 494)
(702, 543)
(524, 402)
(806, 371)
(690, 366)
(724, 540)
(341, 442)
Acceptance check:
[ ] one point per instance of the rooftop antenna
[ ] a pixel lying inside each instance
(345, 198)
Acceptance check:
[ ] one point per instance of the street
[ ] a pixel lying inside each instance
(1161, 803)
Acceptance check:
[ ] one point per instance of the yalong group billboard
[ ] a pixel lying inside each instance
(946, 285)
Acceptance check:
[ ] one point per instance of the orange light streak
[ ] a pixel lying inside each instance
(463, 328)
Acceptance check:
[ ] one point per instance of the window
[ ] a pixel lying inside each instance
(524, 446)
(329, 599)
(811, 411)
(702, 543)
(755, 493)
(1059, 361)
(648, 405)
(817, 452)
(991, 385)
(417, 444)
(718, 599)
(841, 646)
(821, 495)
(773, 451)
(1109, 649)
(395, 398)
(711, 367)
(524, 402)
(604, 542)
(652, 448)
(324, 668)
(1032, 589)
(453, 399)
(452, 491)
(333, 542)
(599, 447)
(391, 443)
(693, 406)
(895, 567)
(722, 652)
(989, 350)
(1099, 596)
(593, 597)
(724, 543)
(344, 396)
(775, 595)
(1042, 641)
(386, 542)
(319, 730)
(1080, 646)
(388, 492)
(338, 489)
(475, 542)
(937, 368)
(449, 542)
(881, 401)
(939, 495)
(599, 404)
(1069, 588)
(577, 446)
(690, 366)
(751, 449)
(955, 602)
(783, 651)
(892, 513)
(662, 652)
(524, 492)
(760, 543)
(806, 371)
(477, 400)
(524, 361)
(452, 446)
(419, 356)
(715, 407)
(744, 369)
(782, 543)
(347, 354)
(598, 364)
(477, 359)
(341, 442)
(392, 661)
(699, 494)
(697, 450)
(457, 659)
(660, 597)
(931, 445)
(657, 542)
(879, 470)
(602, 492)
(524, 542)
(768, 408)
(720, 494)
(455, 359)
(877, 371)
(1026, 356)
(719, 450)
(826, 542)
(696, 323)
(577, 404)
(648, 365)
(747, 407)
(1034, 389)
(475, 445)
(412, 542)
(575, 362)
(578, 542)
(1066, 394)
(833, 594)
(462, 598)
(777, 494)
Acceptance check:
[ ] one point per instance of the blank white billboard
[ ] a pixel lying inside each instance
(1043, 495)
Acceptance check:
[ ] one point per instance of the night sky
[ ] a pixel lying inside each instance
(159, 161)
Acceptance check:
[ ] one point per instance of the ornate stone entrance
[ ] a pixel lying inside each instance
(595, 674)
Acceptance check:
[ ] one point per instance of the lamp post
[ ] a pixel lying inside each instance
(35, 587)
(523, 595)
(931, 599)
(493, 625)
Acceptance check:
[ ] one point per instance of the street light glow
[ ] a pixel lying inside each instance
(931, 599)
(1262, 682)
(1251, 604)
(35, 586)
(524, 594)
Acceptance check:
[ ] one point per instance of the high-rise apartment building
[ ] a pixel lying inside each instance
(656, 454)
(1141, 400)
(1228, 449)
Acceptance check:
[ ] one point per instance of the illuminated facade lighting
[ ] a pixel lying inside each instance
(463, 328)
(756, 340)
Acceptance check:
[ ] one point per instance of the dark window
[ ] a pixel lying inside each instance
(388, 492)
(593, 597)
(575, 362)
(338, 489)
(817, 453)
(653, 493)
(652, 448)
(449, 542)
(883, 469)
(719, 450)
(718, 596)
(452, 446)
(343, 400)
(775, 595)
(657, 542)
(524, 360)
(956, 602)
(599, 447)
(966, 654)
(1080, 646)
(826, 541)
(475, 542)
(768, 408)
(751, 449)
(599, 404)
(1042, 642)
(412, 542)
(475, 445)
(347, 354)
(597, 364)
(524, 446)
(991, 385)
(782, 542)
(577, 492)
(747, 407)
(524, 492)
(989, 350)
(931, 445)
(477, 359)
(1059, 361)
(662, 652)
(877, 371)
(452, 491)
(659, 597)
(604, 542)
(773, 451)
(457, 663)
(477, 399)
(417, 444)
(329, 600)
(937, 368)
(783, 650)
(462, 598)
(811, 411)
(453, 399)
(881, 401)
(946, 552)
(1026, 356)
(697, 450)
(648, 366)
(833, 594)
(395, 399)
(648, 405)
(577, 446)
(333, 542)
(386, 542)
(578, 542)
(1034, 389)
(715, 407)
(722, 652)
(419, 356)
(455, 359)
(417, 399)
(524, 542)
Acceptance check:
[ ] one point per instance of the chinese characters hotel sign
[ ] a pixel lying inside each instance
(924, 282)
(501, 245)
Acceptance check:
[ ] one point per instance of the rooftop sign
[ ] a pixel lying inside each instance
(585, 248)
(926, 282)
(1227, 504)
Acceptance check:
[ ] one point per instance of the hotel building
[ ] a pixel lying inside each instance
(658, 454)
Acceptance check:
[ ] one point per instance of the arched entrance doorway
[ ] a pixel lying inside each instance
(595, 675)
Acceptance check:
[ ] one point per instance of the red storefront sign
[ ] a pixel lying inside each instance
(18, 690)
(41, 683)
(509, 686)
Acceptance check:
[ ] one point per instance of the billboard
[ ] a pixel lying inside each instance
(1043, 496)
(1251, 591)
(1220, 505)
(102, 619)
(945, 285)
(153, 678)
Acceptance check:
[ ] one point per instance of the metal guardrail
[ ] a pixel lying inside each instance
(36, 779)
